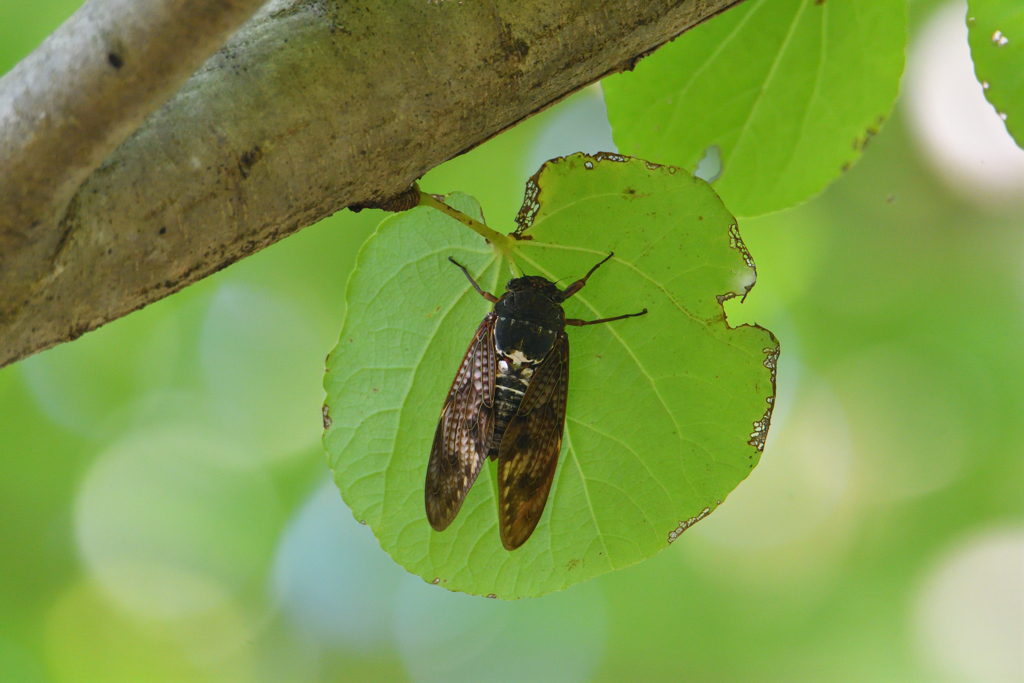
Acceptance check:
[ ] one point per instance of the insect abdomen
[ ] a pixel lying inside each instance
(509, 390)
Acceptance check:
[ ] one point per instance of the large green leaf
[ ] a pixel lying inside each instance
(995, 30)
(790, 92)
(666, 412)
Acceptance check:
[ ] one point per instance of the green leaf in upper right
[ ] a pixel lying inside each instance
(995, 30)
(789, 91)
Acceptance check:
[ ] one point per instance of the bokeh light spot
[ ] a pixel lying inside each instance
(89, 639)
(786, 528)
(447, 637)
(969, 621)
(168, 529)
(909, 434)
(962, 133)
(331, 577)
(91, 386)
(263, 361)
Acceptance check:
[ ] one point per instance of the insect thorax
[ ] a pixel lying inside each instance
(526, 325)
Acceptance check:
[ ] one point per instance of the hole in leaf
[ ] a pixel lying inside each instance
(710, 167)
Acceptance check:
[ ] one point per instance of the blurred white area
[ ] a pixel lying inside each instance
(169, 528)
(908, 431)
(331, 577)
(446, 637)
(969, 617)
(788, 526)
(869, 433)
(960, 132)
(581, 125)
(263, 360)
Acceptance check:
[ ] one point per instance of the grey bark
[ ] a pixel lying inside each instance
(313, 106)
(63, 110)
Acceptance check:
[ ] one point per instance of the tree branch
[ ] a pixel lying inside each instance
(70, 103)
(313, 106)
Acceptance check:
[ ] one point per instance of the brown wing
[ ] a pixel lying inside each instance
(464, 431)
(528, 453)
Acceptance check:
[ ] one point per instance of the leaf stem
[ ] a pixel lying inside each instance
(501, 242)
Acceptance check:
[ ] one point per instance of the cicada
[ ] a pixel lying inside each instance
(507, 402)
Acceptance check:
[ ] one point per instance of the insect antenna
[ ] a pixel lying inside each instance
(578, 285)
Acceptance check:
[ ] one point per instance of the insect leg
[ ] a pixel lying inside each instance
(578, 285)
(487, 295)
(580, 323)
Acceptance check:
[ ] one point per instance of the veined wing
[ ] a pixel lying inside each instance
(529, 449)
(464, 431)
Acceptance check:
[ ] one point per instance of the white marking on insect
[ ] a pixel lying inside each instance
(518, 358)
(503, 365)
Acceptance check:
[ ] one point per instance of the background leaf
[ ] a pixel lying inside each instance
(995, 30)
(661, 409)
(790, 92)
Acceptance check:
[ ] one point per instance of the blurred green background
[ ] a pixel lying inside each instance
(166, 512)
